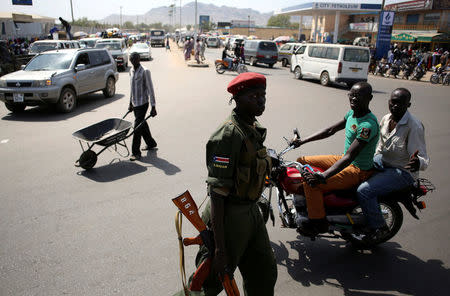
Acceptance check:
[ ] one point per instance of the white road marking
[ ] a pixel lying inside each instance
(4, 141)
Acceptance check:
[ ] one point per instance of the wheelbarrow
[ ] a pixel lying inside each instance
(107, 133)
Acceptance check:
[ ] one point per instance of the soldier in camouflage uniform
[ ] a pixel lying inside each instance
(237, 164)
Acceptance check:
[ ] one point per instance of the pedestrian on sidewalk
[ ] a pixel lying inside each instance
(187, 49)
(141, 90)
(198, 49)
(203, 48)
(167, 44)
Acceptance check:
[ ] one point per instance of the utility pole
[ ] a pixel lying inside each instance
(180, 16)
(249, 25)
(195, 26)
(71, 9)
(120, 17)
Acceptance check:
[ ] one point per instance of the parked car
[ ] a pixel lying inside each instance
(46, 45)
(285, 53)
(59, 77)
(142, 49)
(88, 42)
(212, 42)
(331, 63)
(261, 51)
(118, 50)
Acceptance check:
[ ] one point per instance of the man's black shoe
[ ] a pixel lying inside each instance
(135, 157)
(146, 148)
(376, 234)
(312, 227)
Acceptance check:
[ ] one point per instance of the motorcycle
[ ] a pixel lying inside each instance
(418, 72)
(439, 75)
(381, 68)
(394, 69)
(344, 214)
(446, 80)
(407, 70)
(238, 66)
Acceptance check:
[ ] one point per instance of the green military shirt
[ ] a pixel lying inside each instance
(226, 149)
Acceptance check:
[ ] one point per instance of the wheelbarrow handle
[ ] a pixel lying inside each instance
(128, 112)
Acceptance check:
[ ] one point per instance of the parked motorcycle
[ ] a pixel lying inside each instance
(381, 68)
(418, 73)
(407, 70)
(438, 75)
(394, 69)
(238, 66)
(446, 80)
(344, 214)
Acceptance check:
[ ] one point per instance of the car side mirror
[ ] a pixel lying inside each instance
(22, 67)
(80, 67)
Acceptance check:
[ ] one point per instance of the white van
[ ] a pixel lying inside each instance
(331, 63)
(212, 42)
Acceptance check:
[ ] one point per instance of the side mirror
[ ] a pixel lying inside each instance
(80, 67)
(22, 67)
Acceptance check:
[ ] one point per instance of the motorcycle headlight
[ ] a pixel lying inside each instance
(2, 83)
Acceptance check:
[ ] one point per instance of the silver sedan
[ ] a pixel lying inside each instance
(143, 50)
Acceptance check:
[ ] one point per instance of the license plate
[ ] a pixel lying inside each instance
(18, 97)
(267, 56)
(355, 70)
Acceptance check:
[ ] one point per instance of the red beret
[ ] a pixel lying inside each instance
(246, 80)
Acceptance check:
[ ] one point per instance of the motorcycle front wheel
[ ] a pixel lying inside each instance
(393, 216)
(220, 68)
(241, 69)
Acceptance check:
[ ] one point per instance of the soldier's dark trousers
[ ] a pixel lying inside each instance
(248, 249)
(143, 131)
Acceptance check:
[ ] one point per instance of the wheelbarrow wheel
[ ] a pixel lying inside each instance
(88, 159)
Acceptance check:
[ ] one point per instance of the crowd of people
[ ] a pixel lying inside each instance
(429, 59)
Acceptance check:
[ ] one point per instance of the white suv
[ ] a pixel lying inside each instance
(59, 77)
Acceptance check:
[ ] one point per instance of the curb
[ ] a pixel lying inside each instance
(195, 65)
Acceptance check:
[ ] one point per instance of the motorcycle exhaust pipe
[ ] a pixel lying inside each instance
(347, 219)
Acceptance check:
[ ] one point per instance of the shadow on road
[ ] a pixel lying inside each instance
(160, 163)
(86, 103)
(113, 171)
(380, 271)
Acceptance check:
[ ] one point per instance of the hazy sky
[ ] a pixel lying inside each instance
(98, 9)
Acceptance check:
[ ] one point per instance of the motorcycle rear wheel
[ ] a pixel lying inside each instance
(220, 68)
(393, 216)
(434, 79)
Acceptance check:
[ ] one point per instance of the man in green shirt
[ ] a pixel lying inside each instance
(341, 171)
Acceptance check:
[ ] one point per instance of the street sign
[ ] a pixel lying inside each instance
(22, 2)
(384, 33)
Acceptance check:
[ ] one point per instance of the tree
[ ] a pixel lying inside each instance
(282, 21)
(128, 25)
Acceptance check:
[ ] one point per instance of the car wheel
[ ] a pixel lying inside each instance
(270, 65)
(325, 78)
(110, 90)
(350, 84)
(284, 62)
(15, 108)
(67, 100)
(298, 72)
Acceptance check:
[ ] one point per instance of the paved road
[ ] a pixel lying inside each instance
(110, 231)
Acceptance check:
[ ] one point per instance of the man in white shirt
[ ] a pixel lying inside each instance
(400, 154)
(141, 90)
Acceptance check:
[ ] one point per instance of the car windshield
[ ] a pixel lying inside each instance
(139, 46)
(356, 55)
(108, 45)
(157, 33)
(41, 47)
(51, 61)
(267, 46)
(88, 43)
